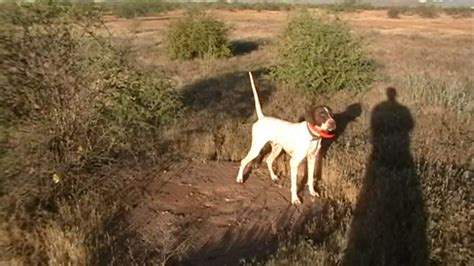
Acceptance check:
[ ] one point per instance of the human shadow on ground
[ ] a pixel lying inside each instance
(389, 222)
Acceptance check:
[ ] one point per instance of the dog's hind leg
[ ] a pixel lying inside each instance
(257, 145)
(276, 150)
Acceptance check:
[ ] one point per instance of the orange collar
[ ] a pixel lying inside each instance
(315, 131)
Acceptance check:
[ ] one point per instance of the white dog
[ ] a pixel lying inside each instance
(299, 140)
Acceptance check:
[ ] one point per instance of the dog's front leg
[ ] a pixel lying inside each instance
(294, 163)
(311, 160)
(311, 163)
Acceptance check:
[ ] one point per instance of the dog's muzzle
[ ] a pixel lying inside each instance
(331, 123)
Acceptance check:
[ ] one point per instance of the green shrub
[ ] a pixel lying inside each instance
(198, 35)
(317, 55)
(82, 92)
(393, 12)
(77, 99)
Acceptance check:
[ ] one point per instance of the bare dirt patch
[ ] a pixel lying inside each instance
(379, 21)
(220, 221)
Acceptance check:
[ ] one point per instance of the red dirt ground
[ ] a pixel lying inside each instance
(218, 220)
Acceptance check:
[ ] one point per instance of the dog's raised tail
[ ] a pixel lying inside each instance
(258, 108)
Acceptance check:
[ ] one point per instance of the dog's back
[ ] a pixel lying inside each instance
(277, 131)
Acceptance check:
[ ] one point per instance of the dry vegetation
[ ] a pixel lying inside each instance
(92, 112)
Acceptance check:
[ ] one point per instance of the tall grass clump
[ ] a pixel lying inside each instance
(198, 35)
(71, 102)
(136, 8)
(459, 12)
(449, 93)
(427, 11)
(393, 12)
(317, 54)
(350, 6)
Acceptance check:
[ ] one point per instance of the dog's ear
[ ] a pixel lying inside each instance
(301, 118)
(309, 116)
(316, 115)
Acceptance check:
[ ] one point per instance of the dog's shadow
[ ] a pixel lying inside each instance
(343, 119)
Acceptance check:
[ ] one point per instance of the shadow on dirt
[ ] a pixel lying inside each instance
(263, 240)
(227, 96)
(219, 110)
(389, 223)
(243, 46)
(140, 238)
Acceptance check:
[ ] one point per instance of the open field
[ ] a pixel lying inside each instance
(183, 207)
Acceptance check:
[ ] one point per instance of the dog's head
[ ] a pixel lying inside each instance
(322, 117)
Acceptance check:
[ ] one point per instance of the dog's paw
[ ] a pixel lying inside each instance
(314, 193)
(275, 178)
(239, 180)
(296, 201)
